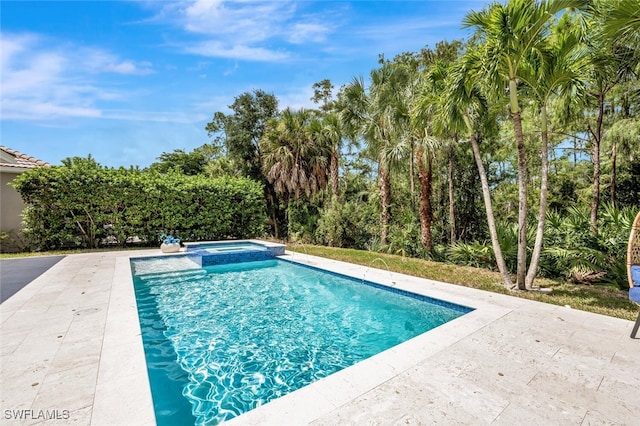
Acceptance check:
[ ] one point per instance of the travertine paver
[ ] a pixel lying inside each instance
(70, 345)
(514, 371)
(52, 337)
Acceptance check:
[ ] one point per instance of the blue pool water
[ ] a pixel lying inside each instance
(225, 339)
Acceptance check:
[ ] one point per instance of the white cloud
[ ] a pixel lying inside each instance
(246, 22)
(17, 109)
(303, 32)
(23, 70)
(154, 116)
(10, 45)
(128, 67)
(404, 28)
(43, 81)
(296, 98)
(232, 70)
(218, 49)
(244, 30)
(99, 61)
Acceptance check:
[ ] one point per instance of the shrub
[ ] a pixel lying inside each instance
(82, 204)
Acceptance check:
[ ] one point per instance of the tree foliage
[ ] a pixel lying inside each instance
(295, 159)
(191, 164)
(239, 133)
(497, 151)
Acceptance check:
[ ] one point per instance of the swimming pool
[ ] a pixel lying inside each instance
(222, 340)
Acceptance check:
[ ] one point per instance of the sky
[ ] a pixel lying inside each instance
(126, 81)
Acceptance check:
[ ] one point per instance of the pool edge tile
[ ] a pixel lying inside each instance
(117, 387)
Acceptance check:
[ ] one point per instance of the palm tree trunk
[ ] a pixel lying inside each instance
(452, 212)
(385, 202)
(272, 207)
(334, 172)
(597, 136)
(614, 155)
(412, 178)
(614, 159)
(276, 229)
(486, 195)
(521, 270)
(544, 157)
(425, 178)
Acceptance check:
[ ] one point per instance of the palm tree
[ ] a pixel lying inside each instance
(428, 139)
(331, 131)
(623, 21)
(428, 83)
(376, 114)
(390, 122)
(508, 34)
(556, 69)
(463, 109)
(356, 105)
(293, 161)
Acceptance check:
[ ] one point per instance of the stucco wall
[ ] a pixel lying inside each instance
(11, 206)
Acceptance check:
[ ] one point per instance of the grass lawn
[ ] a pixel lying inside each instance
(65, 252)
(600, 299)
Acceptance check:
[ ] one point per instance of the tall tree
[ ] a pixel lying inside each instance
(424, 131)
(556, 69)
(332, 134)
(370, 112)
(386, 129)
(293, 160)
(322, 94)
(464, 108)
(239, 133)
(508, 34)
(429, 137)
(330, 130)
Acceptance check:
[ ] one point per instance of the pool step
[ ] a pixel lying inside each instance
(181, 275)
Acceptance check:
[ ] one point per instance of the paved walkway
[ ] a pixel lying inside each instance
(71, 347)
(16, 273)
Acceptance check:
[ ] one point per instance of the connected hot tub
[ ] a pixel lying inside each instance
(222, 252)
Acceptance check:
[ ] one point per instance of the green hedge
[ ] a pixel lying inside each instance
(83, 204)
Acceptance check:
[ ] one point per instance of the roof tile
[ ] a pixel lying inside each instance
(23, 161)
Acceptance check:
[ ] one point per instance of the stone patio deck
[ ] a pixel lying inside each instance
(71, 348)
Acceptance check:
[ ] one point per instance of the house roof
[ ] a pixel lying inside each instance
(12, 159)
